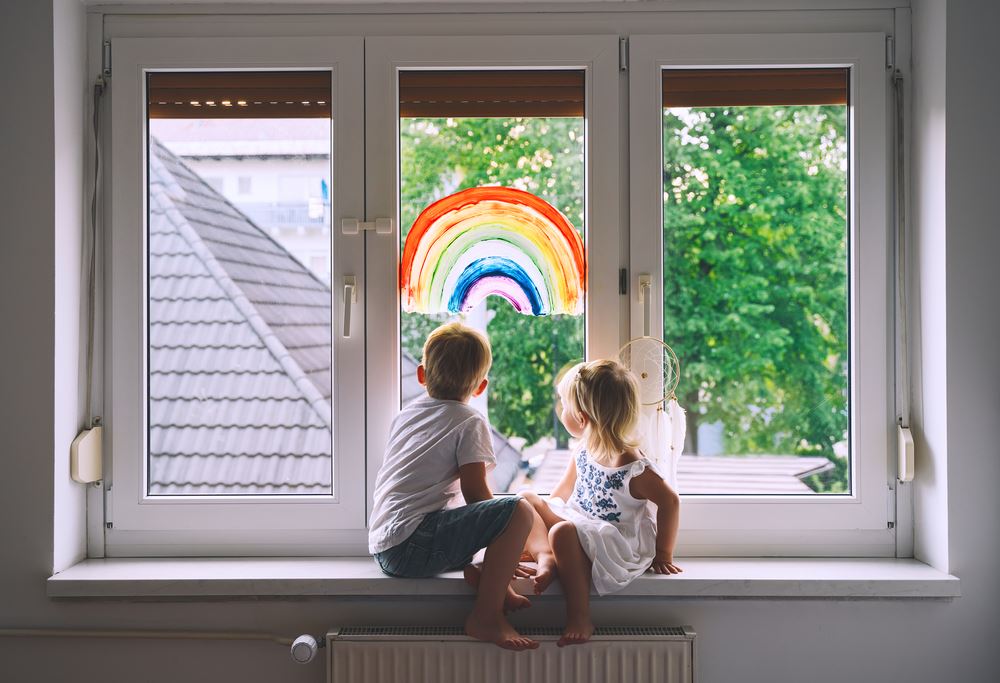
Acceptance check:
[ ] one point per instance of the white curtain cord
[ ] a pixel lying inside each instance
(92, 256)
(902, 319)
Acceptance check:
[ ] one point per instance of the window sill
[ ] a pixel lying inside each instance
(359, 576)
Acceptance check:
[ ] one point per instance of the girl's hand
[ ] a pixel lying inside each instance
(665, 565)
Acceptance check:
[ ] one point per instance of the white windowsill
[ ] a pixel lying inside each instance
(360, 576)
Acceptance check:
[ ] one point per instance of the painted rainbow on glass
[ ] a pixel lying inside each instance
(493, 240)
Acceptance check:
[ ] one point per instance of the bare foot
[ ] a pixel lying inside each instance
(512, 602)
(578, 631)
(497, 631)
(546, 572)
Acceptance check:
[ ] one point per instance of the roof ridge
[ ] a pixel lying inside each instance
(239, 298)
(212, 192)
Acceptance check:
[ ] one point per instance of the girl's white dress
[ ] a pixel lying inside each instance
(616, 530)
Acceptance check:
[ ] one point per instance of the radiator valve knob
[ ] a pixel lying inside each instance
(304, 649)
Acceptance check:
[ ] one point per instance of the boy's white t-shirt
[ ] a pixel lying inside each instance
(429, 440)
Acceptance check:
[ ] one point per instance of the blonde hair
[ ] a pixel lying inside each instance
(456, 359)
(607, 394)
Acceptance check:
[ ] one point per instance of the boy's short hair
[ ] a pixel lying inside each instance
(456, 359)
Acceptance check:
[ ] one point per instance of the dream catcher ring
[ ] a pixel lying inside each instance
(656, 369)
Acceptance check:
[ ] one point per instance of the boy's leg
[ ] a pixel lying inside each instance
(487, 622)
(512, 602)
(574, 572)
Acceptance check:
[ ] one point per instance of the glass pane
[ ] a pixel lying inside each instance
(542, 154)
(755, 234)
(239, 307)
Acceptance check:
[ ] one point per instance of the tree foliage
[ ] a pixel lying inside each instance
(541, 156)
(755, 254)
(755, 276)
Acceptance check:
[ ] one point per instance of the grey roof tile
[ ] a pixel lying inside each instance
(275, 385)
(240, 439)
(194, 412)
(239, 470)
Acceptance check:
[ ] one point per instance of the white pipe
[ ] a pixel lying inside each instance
(151, 635)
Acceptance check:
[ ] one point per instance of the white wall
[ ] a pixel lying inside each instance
(742, 640)
(928, 136)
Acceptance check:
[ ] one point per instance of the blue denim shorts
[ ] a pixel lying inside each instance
(446, 540)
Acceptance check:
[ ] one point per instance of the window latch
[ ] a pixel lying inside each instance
(352, 226)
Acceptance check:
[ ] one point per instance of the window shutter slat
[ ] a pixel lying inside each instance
(747, 87)
(435, 94)
(255, 95)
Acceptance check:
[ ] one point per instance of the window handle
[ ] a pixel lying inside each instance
(352, 226)
(646, 299)
(350, 298)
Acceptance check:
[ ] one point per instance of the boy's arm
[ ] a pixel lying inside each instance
(473, 481)
(649, 486)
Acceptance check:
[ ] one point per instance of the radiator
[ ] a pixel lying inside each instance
(446, 655)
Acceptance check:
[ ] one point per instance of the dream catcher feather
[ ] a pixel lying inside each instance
(662, 423)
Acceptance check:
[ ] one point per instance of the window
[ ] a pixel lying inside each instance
(768, 262)
(449, 115)
(755, 275)
(499, 129)
(232, 417)
(260, 345)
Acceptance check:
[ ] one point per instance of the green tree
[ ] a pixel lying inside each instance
(755, 277)
(545, 157)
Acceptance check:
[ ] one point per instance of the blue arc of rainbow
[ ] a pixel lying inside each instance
(495, 275)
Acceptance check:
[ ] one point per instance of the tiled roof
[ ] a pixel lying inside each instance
(239, 351)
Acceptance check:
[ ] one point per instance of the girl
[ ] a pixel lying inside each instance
(599, 523)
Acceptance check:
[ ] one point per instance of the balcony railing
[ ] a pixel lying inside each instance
(285, 215)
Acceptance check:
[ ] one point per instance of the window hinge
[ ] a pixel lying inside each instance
(623, 54)
(890, 53)
(623, 281)
(106, 59)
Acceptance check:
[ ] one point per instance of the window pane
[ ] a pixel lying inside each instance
(239, 305)
(756, 277)
(523, 130)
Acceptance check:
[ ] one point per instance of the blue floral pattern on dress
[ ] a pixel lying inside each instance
(593, 486)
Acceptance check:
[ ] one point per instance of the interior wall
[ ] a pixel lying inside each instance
(973, 316)
(927, 138)
(747, 640)
(69, 92)
(27, 296)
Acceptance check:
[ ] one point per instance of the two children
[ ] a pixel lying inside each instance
(594, 528)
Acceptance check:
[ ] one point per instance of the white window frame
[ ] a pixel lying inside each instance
(598, 55)
(799, 526)
(138, 524)
(855, 524)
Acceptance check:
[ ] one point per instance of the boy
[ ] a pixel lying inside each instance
(439, 446)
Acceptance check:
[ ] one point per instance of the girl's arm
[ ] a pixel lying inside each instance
(564, 489)
(649, 486)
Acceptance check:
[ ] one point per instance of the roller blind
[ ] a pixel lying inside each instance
(435, 94)
(239, 94)
(742, 87)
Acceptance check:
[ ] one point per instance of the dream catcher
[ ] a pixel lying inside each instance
(662, 424)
